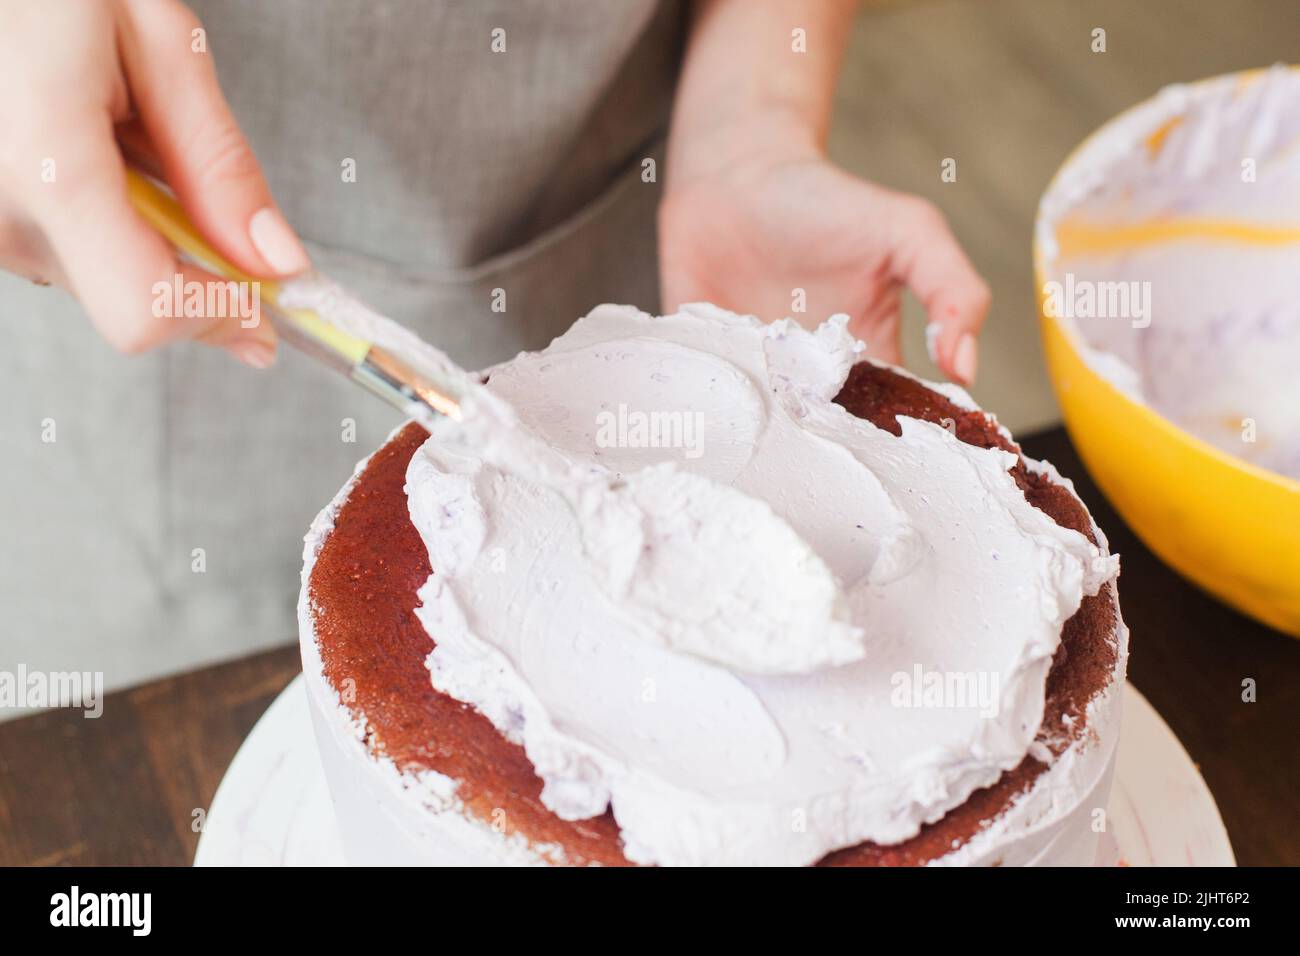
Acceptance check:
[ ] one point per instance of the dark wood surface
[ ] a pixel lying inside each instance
(125, 788)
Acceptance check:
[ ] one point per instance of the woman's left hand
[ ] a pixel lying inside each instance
(754, 220)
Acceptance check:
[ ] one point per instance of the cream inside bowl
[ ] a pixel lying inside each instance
(1170, 249)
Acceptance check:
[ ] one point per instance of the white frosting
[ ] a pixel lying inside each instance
(391, 817)
(709, 637)
(1216, 350)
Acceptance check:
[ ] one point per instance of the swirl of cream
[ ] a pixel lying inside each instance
(702, 629)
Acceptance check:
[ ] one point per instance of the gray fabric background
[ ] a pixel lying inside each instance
(475, 171)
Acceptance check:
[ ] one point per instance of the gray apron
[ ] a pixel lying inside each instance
(155, 506)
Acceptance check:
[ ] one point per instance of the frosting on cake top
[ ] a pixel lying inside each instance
(700, 593)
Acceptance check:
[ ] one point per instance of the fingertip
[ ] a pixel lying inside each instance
(965, 360)
(276, 242)
(255, 353)
(953, 324)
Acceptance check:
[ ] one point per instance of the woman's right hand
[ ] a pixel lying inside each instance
(85, 82)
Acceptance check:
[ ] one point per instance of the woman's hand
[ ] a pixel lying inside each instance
(754, 212)
(751, 223)
(81, 83)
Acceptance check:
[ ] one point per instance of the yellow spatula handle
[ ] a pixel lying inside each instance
(161, 210)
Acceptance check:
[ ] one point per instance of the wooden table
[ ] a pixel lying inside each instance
(125, 788)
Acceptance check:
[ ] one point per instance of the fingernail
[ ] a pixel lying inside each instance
(276, 243)
(932, 332)
(965, 359)
(253, 353)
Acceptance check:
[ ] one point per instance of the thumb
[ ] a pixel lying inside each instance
(204, 155)
(925, 255)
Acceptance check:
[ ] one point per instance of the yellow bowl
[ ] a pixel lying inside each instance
(1230, 527)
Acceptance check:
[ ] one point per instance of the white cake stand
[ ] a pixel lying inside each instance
(273, 808)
